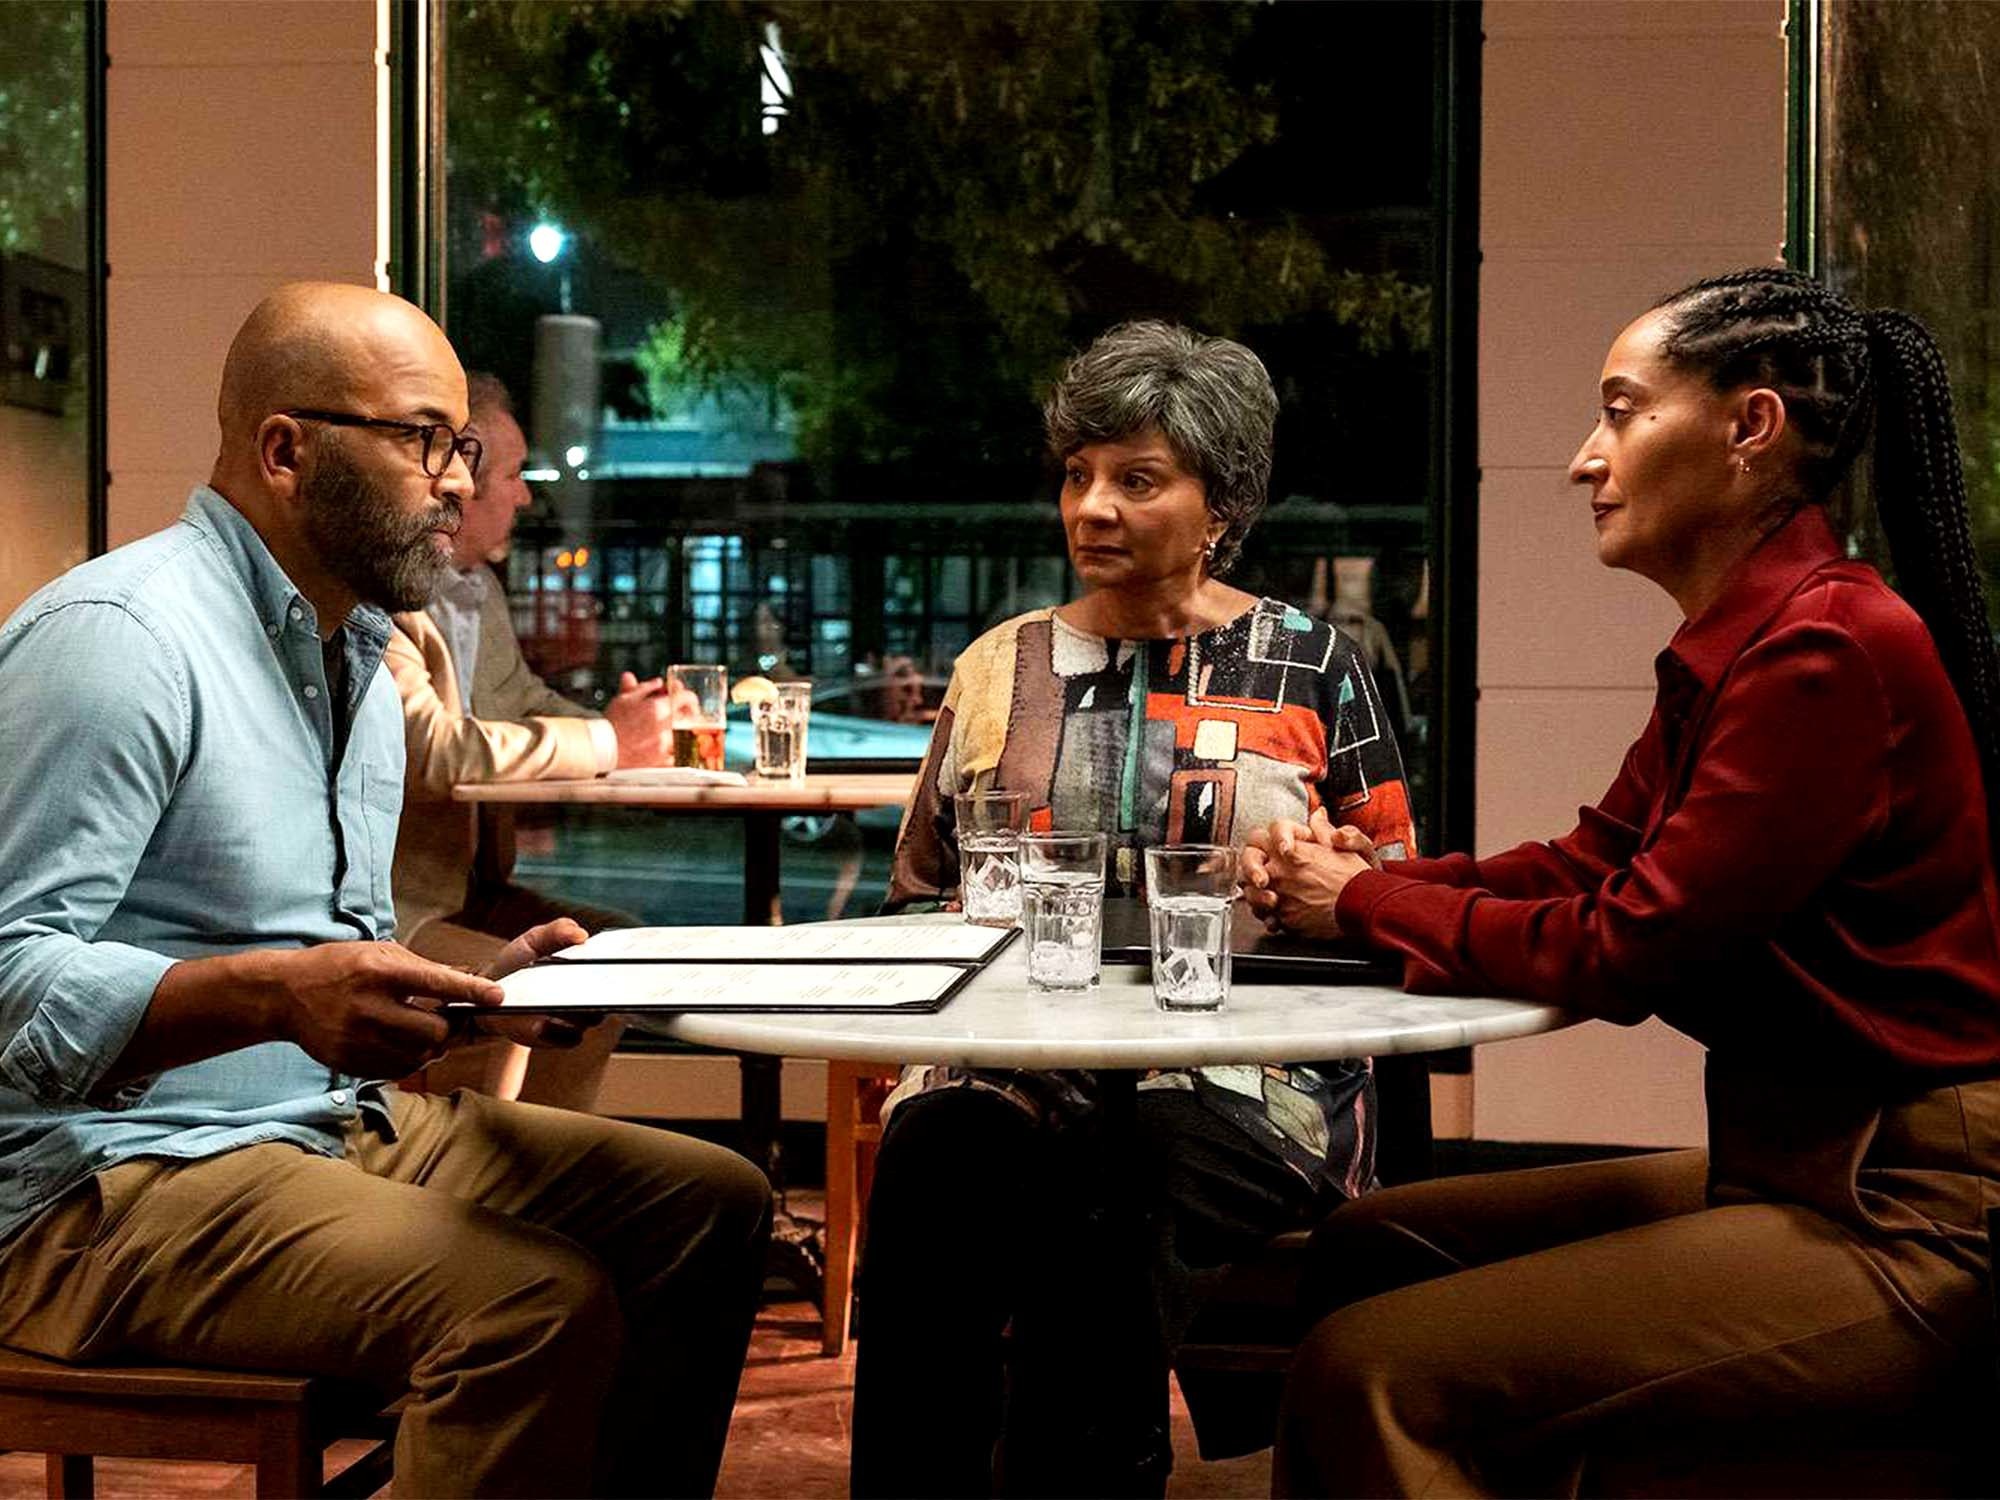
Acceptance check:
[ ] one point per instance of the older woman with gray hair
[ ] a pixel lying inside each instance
(1161, 705)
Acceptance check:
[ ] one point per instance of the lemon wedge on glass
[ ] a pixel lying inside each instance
(752, 690)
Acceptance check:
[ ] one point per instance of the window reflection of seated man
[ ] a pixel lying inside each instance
(473, 711)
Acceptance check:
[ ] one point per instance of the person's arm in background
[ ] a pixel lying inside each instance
(444, 746)
(924, 871)
(95, 729)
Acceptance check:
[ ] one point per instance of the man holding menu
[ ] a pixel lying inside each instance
(204, 770)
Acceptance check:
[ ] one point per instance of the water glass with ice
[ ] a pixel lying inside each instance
(989, 846)
(1190, 899)
(1062, 909)
(778, 723)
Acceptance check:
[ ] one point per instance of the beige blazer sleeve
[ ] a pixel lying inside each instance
(503, 685)
(446, 745)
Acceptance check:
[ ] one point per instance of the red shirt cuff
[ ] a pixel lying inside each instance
(1355, 910)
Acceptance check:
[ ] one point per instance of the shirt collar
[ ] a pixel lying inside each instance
(279, 604)
(468, 584)
(1755, 591)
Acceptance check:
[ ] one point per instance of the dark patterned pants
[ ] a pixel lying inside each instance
(1026, 1287)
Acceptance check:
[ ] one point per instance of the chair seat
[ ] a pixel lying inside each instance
(30, 1372)
(278, 1423)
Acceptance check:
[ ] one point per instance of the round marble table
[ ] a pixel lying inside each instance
(996, 1020)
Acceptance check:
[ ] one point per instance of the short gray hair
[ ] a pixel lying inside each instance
(1210, 398)
(486, 393)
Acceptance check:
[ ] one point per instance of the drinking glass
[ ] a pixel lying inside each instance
(989, 846)
(1190, 892)
(698, 729)
(1062, 908)
(779, 724)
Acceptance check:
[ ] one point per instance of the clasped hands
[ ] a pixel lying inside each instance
(1293, 873)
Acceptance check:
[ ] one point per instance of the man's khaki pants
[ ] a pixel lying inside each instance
(567, 1299)
(1818, 1272)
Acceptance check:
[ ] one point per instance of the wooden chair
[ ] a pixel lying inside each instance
(280, 1424)
(854, 1095)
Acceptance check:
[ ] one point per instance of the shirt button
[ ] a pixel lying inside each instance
(339, 1096)
(297, 614)
(271, 631)
(311, 692)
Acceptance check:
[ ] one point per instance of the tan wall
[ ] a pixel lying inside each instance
(1628, 147)
(246, 141)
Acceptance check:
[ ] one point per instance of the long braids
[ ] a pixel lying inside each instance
(1841, 372)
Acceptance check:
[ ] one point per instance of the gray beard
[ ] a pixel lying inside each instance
(386, 558)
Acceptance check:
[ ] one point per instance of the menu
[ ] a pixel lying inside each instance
(871, 967)
(734, 987)
(873, 942)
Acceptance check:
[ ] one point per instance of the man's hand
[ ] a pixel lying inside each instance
(537, 1030)
(643, 716)
(367, 1008)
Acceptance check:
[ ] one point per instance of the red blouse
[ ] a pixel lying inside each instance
(1793, 859)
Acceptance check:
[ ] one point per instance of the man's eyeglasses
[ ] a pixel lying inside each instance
(440, 442)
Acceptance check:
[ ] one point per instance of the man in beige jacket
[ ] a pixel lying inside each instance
(473, 711)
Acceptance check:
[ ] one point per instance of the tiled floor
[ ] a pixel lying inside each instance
(789, 1437)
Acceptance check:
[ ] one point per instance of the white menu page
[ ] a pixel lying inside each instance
(883, 942)
(731, 987)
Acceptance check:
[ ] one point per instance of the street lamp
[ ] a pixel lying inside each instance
(546, 242)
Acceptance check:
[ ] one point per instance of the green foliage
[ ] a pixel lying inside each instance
(957, 195)
(42, 128)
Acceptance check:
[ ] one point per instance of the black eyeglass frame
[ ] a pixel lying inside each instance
(461, 443)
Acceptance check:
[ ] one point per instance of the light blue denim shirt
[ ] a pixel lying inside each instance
(169, 789)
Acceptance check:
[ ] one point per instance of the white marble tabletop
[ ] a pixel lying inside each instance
(997, 1021)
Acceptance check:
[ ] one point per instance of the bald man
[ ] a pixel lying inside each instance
(199, 994)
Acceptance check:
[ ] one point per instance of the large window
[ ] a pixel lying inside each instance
(48, 72)
(1907, 178)
(780, 287)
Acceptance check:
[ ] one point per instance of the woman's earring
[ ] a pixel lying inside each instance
(1209, 551)
(1743, 464)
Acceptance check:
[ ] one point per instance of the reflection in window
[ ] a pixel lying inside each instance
(821, 263)
(1909, 208)
(44, 293)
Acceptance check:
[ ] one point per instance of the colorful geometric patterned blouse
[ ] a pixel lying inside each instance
(1198, 739)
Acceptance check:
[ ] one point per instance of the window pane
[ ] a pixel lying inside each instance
(1909, 208)
(782, 287)
(44, 335)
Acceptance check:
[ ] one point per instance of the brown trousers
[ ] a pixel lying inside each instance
(1821, 1267)
(567, 1300)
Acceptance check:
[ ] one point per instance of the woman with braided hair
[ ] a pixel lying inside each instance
(1794, 866)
